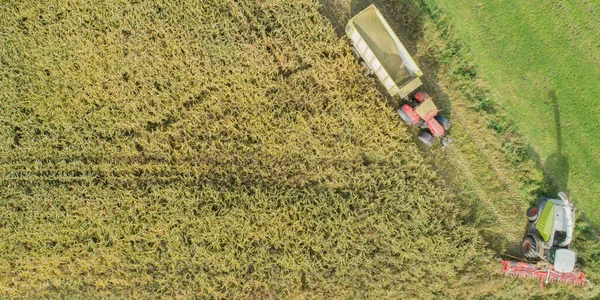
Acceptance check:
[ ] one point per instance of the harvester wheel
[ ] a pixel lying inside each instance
(528, 246)
(426, 138)
(532, 213)
(405, 117)
(443, 121)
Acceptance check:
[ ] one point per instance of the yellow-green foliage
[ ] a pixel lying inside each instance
(223, 148)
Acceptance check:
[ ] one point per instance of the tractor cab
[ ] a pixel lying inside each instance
(426, 110)
(423, 113)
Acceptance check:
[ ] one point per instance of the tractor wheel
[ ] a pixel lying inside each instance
(532, 213)
(366, 68)
(426, 138)
(443, 121)
(529, 247)
(354, 52)
(405, 117)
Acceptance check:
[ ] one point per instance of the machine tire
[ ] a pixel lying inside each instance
(405, 117)
(529, 246)
(366, 68)
(532, 213)
(443, 121)
(354, 52)
(426, 138)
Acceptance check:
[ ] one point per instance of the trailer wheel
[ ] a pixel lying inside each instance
(366, 68)
(528, 246)
(354, 52)
(532, 214)
(426, 138)
(443, 121)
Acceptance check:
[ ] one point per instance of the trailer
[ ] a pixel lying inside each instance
(376, 44)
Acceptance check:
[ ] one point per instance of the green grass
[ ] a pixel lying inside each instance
(541, 63)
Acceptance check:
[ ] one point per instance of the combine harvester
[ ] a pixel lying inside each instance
(547, 240)
(380, 52)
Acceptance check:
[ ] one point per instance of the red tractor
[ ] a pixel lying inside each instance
(422, 112)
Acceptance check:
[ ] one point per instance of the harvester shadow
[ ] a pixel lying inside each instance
(555, 169)
(556, 166)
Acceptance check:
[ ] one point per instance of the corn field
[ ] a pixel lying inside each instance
(223, 149)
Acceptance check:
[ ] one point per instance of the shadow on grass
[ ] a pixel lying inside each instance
(556, 166)
(555, 169)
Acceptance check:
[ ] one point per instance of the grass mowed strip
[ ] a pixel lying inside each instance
(224, 149)
(542, 64)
